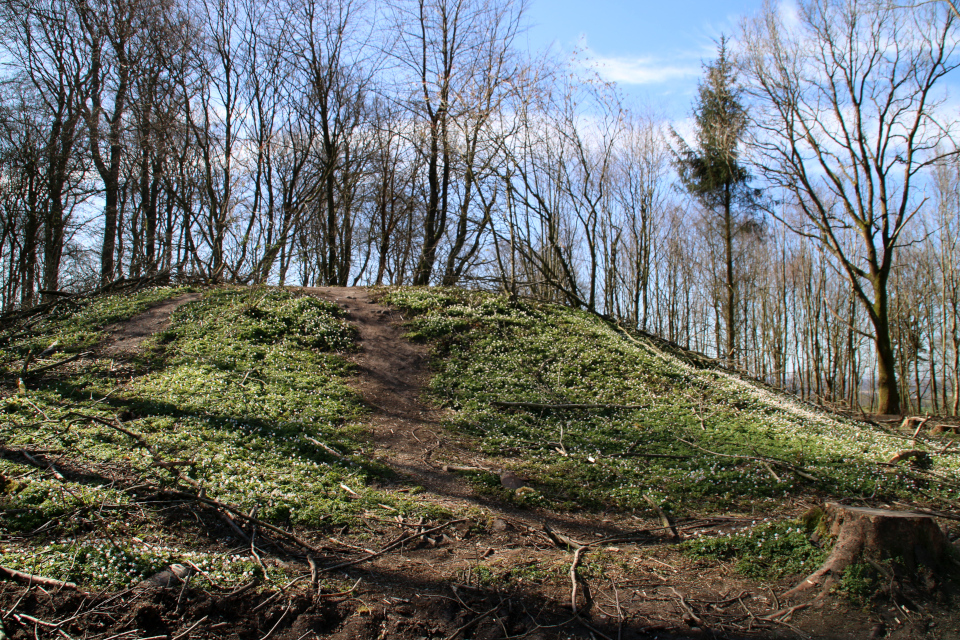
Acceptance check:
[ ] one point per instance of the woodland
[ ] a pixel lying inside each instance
(805, 228)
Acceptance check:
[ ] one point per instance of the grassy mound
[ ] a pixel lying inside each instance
(246, 389)
(704, 440)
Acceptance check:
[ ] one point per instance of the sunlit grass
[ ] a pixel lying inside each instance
(489, 349)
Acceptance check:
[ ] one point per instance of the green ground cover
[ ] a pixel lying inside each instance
(242, 386)
(488, 349)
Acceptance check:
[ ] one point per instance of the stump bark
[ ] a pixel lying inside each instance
(913, 541)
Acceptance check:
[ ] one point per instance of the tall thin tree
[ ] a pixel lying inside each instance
(712, 171)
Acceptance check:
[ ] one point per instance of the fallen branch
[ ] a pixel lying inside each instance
(189, 629)
(561, 407)
(920, 426)
(49, 466)
(158, 460)
(341, 593)
(784, 615)
(780, 463)
(460, 630)
(668, 456)
(575, 581)
(54, 365)
(336, 454)
(930, 512)
(240, 514)
(691, 616)
(19, 576)
(452, 468)
(664, 520)
(561, 540)
(405, 537)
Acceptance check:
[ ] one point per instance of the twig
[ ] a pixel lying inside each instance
(240, 514)
(225, 516)
(561, 540)
(341, 593)
(336, 454)
(560, 407)
(452, 468)
(631, 454)
(771, 471)
(575, 581)
(49, 466)
(697, 622)
(664, 520)
(56, 364)
(786, 465)
(158, 460)
(919, 427)
(784, 615)
(274, 628)
(189, 629)
(473, 622)
(396, 543)
(19, 576)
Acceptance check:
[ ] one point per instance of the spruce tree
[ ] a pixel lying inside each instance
(711, 170)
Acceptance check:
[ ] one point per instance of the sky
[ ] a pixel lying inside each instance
(654, 50)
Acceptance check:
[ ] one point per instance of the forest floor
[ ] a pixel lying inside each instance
(435, 533)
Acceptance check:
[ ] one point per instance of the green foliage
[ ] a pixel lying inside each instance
(101, 563)
(239, 387)
(767, 550)
(488, 348)
(860, 582)
(713, 171)
(79, 326)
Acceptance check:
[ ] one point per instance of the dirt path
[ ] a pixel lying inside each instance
(393, 372)
(408, 434)
(125, 338)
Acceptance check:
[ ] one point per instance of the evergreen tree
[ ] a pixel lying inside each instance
(712, 172)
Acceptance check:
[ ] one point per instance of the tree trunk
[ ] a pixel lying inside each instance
(731, 292)
(888, 393)
(913, 542)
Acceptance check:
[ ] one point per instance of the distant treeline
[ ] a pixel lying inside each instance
(333, 142)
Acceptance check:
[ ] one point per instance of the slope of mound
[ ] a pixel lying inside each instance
(284, 464)
(242, 399)
(651, 425)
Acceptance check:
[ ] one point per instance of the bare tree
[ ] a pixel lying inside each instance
(457, 59)
(846, 119)
(51, 64)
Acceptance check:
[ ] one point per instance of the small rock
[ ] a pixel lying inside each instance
(499, 525)
(511, 480)
(173, 575)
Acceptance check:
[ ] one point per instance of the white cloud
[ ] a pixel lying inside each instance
(637, 69)
(789, 14)
(640, 70)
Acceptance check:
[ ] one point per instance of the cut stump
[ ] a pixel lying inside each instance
(913, 541)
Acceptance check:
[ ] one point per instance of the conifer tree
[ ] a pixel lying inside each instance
(712, 172)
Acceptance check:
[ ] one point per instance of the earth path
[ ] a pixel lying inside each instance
(393, 371)
(127, 336)
(407, 432)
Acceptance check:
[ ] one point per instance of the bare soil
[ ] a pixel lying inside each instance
(126, 338)
(497, 575)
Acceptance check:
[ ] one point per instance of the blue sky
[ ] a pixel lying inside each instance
(653, 50)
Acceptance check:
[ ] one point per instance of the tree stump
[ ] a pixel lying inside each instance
(912, 540)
